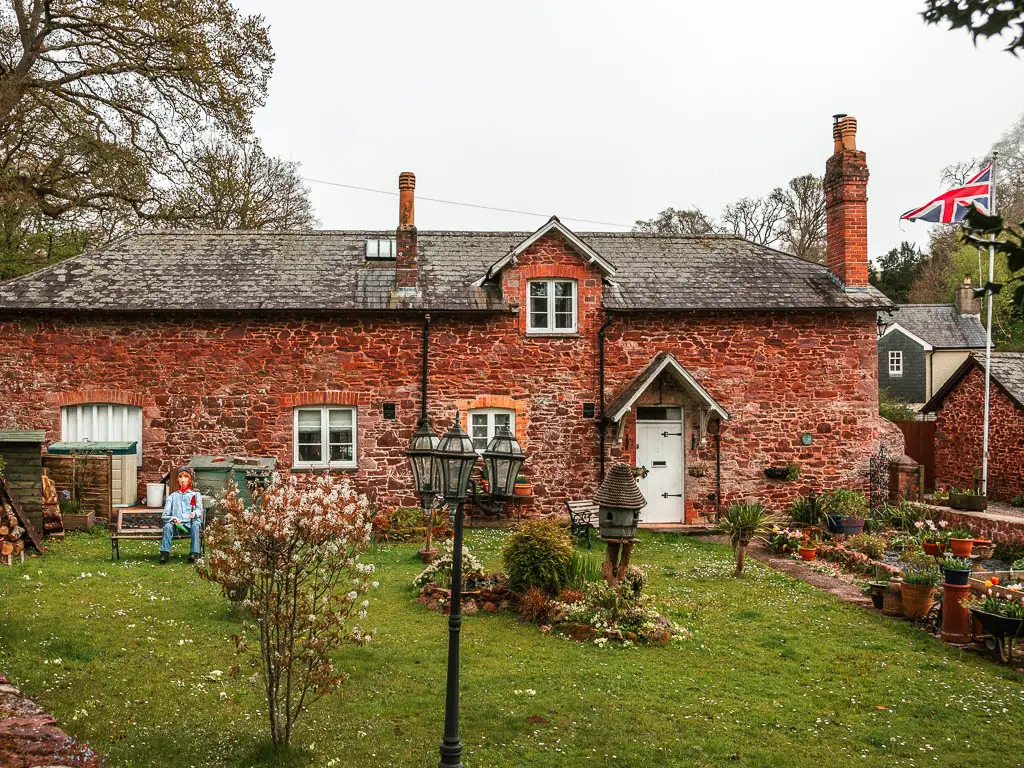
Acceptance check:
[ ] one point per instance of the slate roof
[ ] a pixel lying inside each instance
(941, 325)
(327, 270)
(1007, 373)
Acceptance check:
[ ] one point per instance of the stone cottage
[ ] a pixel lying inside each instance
(706, 359)
(959, 408)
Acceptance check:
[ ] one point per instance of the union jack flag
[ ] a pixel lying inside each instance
(953, 205)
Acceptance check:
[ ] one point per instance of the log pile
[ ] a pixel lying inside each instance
(12, 534)
(53, 523)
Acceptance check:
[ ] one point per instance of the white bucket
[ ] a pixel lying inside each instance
(154, 494)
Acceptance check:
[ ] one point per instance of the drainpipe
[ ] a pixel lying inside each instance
(426, 359)
(718, 472)
(602, 421)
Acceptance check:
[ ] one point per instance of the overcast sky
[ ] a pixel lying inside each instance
(613, 111)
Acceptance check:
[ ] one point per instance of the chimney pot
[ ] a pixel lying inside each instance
(406, 268)
(848, 129)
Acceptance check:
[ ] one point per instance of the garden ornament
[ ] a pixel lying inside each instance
(619, 503)
(183, 512)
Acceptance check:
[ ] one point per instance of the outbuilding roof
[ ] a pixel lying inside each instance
(1007, 373)
(940, 325)
(329, 271)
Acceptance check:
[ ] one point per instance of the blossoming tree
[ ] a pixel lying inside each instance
(292, 556)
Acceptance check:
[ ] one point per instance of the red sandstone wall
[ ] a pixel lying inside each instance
(209, 385)
(958, 438)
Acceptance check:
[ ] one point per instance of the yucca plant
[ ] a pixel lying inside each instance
(741, 523)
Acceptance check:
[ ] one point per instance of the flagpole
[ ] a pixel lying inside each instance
(988, 336)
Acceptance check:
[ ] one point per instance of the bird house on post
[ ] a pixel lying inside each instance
(619, 502)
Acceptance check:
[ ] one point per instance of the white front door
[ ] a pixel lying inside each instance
(659, 447)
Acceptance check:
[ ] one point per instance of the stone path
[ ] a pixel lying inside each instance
(30, 738)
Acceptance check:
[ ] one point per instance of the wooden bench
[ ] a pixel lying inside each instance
(143, 525)
(583, 517)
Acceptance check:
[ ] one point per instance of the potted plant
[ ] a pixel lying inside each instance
(934, 537)
(776, 473)
(1002, 618)
(918, 591)
(961, 542)
(792, 471)
(966, 498)
(808, 550)
(846, 507)
(522, 487)
(957, 570)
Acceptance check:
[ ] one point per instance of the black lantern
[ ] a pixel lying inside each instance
(426, 470)
(882, 324)
(456, 457)
(503, 458)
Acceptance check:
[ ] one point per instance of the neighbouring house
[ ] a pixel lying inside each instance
(706, 359)
(924, 344)
(959, 408)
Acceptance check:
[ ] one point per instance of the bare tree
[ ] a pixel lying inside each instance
(240, 187)
(758, 219)
(672, 221)
(803, 227)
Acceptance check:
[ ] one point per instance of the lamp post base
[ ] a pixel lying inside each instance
(451, 744)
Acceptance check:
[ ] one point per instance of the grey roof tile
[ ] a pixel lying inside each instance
(327, 270)
(941, 325)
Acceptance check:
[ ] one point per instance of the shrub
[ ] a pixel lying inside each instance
(610, 607)
(537, 554)
(297, 548)
(440, 571)
(635, 579)
(535, 606)
(1008, 551)
(893, 408)
(408, 524)
(872, 545)
(845, 503)
(902, 515)
(801, 511)
(1016, 501)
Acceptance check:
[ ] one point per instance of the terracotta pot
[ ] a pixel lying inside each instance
(917, 599)
(807, 553)
(932, 548)
(523, 489)
(892, 599)
(961, 547)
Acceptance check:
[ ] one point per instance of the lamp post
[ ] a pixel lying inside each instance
(426, 475)
(452, 460)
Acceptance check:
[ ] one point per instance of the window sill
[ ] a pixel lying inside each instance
(556, 334)
(323, 468)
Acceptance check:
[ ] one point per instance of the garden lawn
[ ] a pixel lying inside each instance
(775, 673)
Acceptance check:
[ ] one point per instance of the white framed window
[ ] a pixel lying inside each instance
(551, 306)
(102, 422)
(325, 436)
(485, 422)
(895, 363)
(380, 248)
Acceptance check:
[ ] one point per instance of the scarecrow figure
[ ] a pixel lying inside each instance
(183, 511)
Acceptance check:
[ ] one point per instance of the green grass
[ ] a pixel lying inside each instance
(776, 673)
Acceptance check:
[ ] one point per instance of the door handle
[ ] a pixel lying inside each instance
(666, 495)
(671, 434)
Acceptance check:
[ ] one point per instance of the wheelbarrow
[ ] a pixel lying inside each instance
(999, 632)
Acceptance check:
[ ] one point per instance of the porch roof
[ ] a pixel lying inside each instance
(663, 361)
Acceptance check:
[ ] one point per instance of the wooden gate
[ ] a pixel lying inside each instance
(920, 446)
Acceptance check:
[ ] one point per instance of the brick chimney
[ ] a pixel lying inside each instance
(965, 299)
(846, 203)
(405, 235)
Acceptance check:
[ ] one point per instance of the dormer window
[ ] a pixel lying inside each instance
(380, 248)
(552, 306)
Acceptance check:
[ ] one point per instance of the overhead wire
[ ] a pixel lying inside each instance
(464, 205)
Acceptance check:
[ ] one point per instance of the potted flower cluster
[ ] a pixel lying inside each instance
(522, 487)
(808, 549)
(957, 570)
(784, 540)
(918, 591)
(961, 542)
(789, 472)
(934, 536)
(961, 498)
